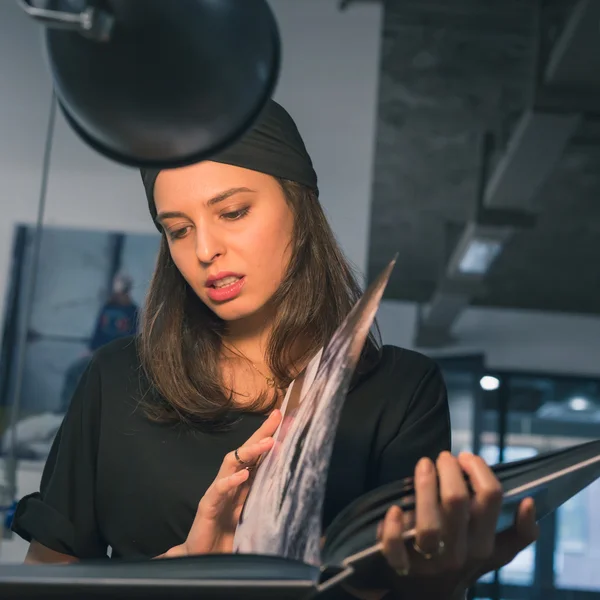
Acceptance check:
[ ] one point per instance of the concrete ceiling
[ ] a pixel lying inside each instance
(452, 70)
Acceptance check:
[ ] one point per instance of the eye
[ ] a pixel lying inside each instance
(177, 234)
(236, 214)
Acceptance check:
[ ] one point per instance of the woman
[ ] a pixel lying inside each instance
(249, 284)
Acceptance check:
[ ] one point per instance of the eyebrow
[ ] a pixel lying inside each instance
(211, 202)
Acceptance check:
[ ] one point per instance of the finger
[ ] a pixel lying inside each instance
(223, 486)
(428, 518)
(485, 505)
(455, 507)
(212, 503)
(510, 542)
(525, 521)
(248, 454)
(393, 545)
(379, 530)
(267, 429)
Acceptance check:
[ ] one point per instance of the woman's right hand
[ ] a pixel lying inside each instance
(220, 508)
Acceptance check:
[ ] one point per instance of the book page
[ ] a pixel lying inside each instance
(282, 514)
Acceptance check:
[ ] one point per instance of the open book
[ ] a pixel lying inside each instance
(282, 514)
(280, 550)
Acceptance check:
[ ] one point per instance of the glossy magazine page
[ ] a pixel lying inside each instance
(282, 514)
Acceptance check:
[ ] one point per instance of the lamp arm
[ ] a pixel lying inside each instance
(92, 22)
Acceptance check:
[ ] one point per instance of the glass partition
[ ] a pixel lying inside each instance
(517, 415)
(76, 308)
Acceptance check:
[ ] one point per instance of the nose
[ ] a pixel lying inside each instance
(209, 245)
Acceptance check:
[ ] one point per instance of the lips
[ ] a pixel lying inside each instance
(225, 286)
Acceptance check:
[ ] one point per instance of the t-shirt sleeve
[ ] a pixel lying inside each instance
(416, 424)
(62, 515)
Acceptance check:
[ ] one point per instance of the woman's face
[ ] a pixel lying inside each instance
(229, 232)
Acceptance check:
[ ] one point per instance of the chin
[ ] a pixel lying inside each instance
(235, 310)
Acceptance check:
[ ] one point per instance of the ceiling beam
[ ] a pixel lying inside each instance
(344, 4)
(534, 148)
(575, 60)
(478, 247)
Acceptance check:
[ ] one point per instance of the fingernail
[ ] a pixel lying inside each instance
(265, 440)
(397, 514)
(532, 509)
(424, 467)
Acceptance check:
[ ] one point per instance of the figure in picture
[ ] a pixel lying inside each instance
(117, 318)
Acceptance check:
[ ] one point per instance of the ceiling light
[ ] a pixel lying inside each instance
(579, 403)
(489, 383)
(478, 256)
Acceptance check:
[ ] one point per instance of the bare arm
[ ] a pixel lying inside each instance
(37, 554)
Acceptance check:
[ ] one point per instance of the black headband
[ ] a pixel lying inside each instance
(272, 146)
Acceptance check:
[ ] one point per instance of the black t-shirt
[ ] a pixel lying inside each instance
(114, 478)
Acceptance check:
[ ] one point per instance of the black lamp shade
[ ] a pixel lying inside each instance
(178, 80)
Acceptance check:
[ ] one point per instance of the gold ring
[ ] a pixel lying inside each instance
(237, 457)
(429, 555)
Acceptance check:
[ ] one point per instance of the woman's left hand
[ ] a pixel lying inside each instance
(456, 540)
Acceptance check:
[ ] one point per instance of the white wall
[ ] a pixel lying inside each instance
(330, 85)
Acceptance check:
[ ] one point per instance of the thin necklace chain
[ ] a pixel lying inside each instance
(270, 380)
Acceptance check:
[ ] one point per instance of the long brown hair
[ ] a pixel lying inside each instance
(181, 338)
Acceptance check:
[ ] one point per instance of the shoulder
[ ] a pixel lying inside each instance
(395, 355)
(115, 374)
(405, 388)
(402, 370)
(406, 395)
(119, 354)
(115, 386)
(101, 382)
